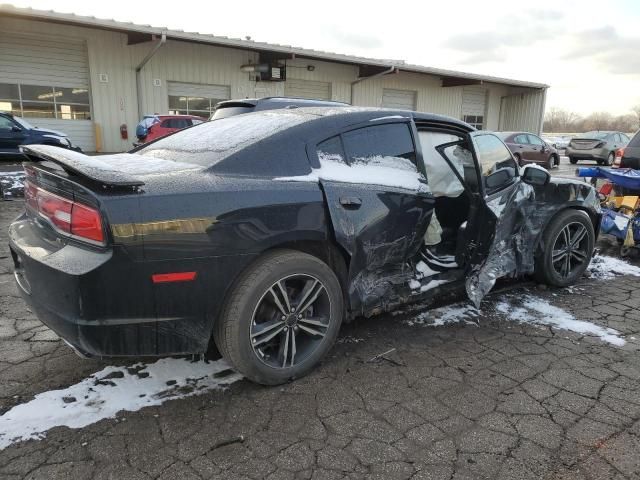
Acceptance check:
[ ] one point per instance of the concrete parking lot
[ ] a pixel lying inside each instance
(451, 394)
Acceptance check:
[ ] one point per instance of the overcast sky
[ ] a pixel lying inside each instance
(587, 51)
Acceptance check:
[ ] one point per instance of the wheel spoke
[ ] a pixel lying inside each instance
(578, 236)
(311, 331)
(310, 296)
(293, 347)
(558, 255)
(566, 234)
(579, 255)
(285, 351)
(285, 296)
(566, 266)
(313, 321)
(278, 302)
(267, 332)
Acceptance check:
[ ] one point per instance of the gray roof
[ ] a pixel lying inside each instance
(72, 19)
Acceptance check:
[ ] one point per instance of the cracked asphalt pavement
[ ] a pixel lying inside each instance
(498, 401)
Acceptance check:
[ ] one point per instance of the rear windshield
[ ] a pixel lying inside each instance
(225, 112)
(635, 141)
(210, 142)
(598, 135)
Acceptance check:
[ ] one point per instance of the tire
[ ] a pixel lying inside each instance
(556, 160)
(610, 159)
(552, 269)
(256, 299)
(573, 161)
(549, 163)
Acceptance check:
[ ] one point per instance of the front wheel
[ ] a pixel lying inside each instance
(281, 318)
(573, 161)
(610, 159)
(567, 249)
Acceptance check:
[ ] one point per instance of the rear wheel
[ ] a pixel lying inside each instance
(282, 317)
(568, 245)
(573, 161)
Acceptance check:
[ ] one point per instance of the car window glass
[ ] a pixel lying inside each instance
(494, 156)
(331, 149)
(5, 123)
(440, 176)
(618, 138)
(390, 143)
(382, 167)
(625, 139)
(521, 139)
(535, 140)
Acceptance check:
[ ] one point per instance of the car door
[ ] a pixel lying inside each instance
(538, 148)
(11, 135)
(522, 147)
(379, 205)
(502, 196)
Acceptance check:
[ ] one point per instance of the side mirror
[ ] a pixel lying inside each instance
(15, 128)
(499, 178)
(536, 176)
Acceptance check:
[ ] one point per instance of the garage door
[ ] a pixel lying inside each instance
(473, 106)
(46, 80)
(307, 89)
(196, 98)
(398, 99)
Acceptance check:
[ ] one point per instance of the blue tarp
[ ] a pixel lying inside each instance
(624, 177)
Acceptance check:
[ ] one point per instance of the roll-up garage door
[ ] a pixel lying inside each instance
(196, 98)
(398, 99)
(47, 80)
(307, 89)
(473, 106)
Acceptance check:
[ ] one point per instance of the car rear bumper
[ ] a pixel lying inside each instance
(593, 154)
(98, 303)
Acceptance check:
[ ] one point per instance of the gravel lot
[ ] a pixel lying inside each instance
(487, 398)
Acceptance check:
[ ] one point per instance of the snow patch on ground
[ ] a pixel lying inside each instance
(537, 311)
(527, 309)
(603, 267)
(109, 391)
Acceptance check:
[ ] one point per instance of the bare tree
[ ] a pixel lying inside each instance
(636, 111)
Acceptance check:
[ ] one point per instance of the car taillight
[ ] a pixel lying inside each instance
(65, 215)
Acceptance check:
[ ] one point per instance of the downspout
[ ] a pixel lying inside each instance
(145, 60)
(362, 79)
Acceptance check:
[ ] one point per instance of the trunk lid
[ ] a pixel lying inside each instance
(584, 143)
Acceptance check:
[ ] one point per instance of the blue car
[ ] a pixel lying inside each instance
(16, 132)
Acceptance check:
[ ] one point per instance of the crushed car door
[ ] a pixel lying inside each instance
(380, 207)
(504, 214)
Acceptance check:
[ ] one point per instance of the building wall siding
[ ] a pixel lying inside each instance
(523, 110)
(115, 103)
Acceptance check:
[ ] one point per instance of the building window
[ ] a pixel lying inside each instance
(476, 121)
(200, 106)
(35, 101)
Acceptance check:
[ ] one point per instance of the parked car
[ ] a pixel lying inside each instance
(261, 233)
(631, 153)
(598, 146)
(16, 132)
(228, 108)
(560, 143)
(152, 127)
(529, 148)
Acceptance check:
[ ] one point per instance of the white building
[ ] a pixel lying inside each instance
(94, 78)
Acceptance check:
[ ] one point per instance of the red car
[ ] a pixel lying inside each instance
(153, 127)
(529, 148)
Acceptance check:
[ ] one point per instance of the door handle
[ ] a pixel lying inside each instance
(351, 202)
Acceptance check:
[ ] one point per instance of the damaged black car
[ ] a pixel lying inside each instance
(260, 234)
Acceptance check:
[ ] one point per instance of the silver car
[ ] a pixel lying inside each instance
(599, 146)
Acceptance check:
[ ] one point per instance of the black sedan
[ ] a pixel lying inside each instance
(16, 132)
(259, 234)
